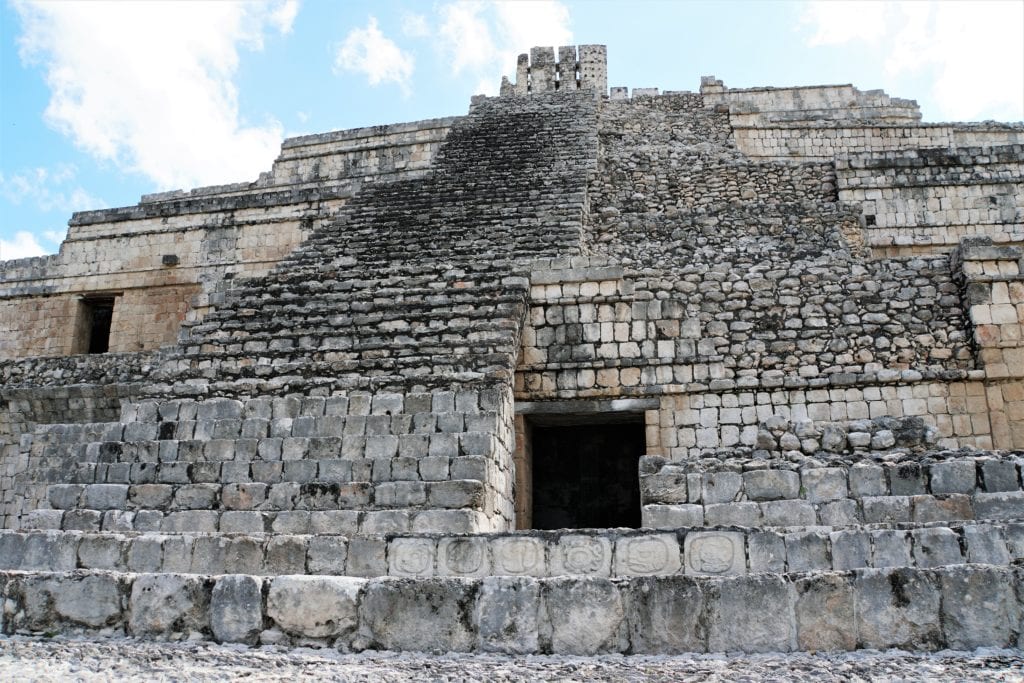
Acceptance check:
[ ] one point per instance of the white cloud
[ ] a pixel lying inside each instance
(970, 53)
(48, 189)
(23, 245)
(483, 39)
(369, 52)
(284, 16)
(150, 85)
(415, 25)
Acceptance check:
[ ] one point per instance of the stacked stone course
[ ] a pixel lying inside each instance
(315, 426)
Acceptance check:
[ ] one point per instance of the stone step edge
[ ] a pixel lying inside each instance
(699, 551)
(917, 609)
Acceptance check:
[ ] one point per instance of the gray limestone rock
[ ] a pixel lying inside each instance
(508, 615)
(169, 606)
(314, 606)
(586, 616)
(425, 615)
(236, 609)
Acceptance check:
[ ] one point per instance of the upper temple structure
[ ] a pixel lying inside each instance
(579, 371)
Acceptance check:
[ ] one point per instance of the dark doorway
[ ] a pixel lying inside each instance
(585, 475)
(99, 312)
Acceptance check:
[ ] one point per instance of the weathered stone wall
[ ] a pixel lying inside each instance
(931, 199)
(165, 256)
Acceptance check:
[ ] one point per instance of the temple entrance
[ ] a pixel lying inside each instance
(584, 471)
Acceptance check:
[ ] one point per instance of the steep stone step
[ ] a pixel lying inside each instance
(328, 543)
(920, 609)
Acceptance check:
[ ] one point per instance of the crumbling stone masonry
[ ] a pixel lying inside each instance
(354, 403)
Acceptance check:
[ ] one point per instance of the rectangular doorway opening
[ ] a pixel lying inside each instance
(584, 470)
(97, 313)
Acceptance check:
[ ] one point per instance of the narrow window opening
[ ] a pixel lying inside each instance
(585, 474)
(98, 313)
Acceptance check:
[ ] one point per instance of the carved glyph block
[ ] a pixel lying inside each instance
(647, 555)
(715, 553)
(412, 557)
(463, 557)
(519, 556)
(581, 555)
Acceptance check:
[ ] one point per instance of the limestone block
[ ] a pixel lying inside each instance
(824, 484)
(897, 608)
(666, 615)
(385, 522)
(720, 487)
(807, 551)
(578, 555)
(366, 557)
(242, 522)
(663, 488)
(647, 555)
(64, 496)
(843, 512)
(953, 476)
(236, 609)
(411, 557)
(79, 520)
(886, 509)
(733, 514)
(208, 554)
(102, 552)
(508, 615)
(145, 554)
(908, 479)
(518, 556)
(105, 496)
(334, 522)
(941, 508)
(760, 485)
(867, 480)
(999, 475)
(244, 555)
(767, 551)
(177, 554)
(714, 553)
(169, 606)
(979, 608)
(191, 520)
(586, 616)
(74, 520)
(314, 606)
(286, 555)
(326, 555)
(93, 601)
(1006, 505)
(986, 545)
(734, 597)
(450, 522)
(824, 611)
(788, 513)
(936, 547)
(12, 550)
(291, 522)
(50, 551)
(850, 549)
(672, 516)
(425, 615)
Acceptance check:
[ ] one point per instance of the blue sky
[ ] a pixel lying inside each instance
(103, 102)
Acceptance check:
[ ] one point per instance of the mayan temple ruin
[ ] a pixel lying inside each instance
(584, 370)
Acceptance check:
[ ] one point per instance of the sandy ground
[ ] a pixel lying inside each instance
(65, 660)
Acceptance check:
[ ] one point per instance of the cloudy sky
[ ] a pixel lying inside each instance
(102, 102)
